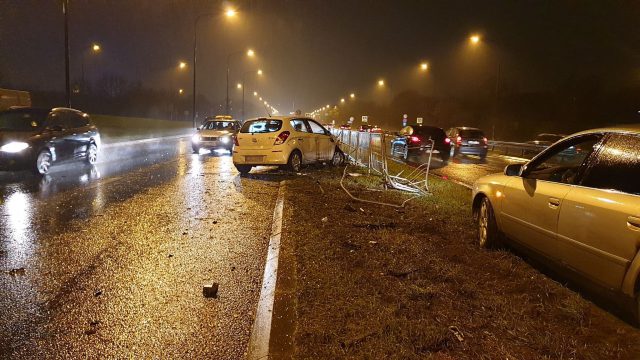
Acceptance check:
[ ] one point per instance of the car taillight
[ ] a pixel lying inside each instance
(281, 138)
(459, 140)
(447, 141)
(414, 139)
(485, 140)
(235, 141)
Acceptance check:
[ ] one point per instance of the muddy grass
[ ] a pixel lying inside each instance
(378, 282)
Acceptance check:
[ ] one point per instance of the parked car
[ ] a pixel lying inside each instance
(415, 140)
(577, 204)
(35, 139)
(546, 139)
(467, 141)
(364, 128)
(285, 141)
(215, 133)
(345, 127)
(375, 129)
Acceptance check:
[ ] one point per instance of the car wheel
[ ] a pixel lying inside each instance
(488, 236)
(338, 158)
(295, 161)
(405, 153)
(92, 154)
(43, 162)
(483, 156)
(243, 169)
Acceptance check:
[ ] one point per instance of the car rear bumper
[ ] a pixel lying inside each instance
(261, 157)
(472, 150)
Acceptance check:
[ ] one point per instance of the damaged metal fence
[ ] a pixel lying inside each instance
(375, 150)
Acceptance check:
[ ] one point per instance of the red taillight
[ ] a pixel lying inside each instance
(447, 141)
(485, 140)
(459, 140)
(414, 139)
(281, 138)
(235, 141)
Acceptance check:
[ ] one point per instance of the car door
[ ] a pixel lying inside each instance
(324, 143)
(599, 224)
(56, 125)
(305, 138)
(532, 202)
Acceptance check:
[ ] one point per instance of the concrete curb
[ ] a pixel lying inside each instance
(258, 347)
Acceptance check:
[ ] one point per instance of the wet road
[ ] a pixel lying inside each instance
(109, 261)
(468, 168)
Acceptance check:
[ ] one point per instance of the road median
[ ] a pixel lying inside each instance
(381, 282)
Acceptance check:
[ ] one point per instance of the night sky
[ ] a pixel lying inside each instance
(315, 51)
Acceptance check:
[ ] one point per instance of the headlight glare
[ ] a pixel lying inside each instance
(14, 147)
(225, 139)
(196, 138)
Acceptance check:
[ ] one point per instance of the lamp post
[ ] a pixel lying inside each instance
(250, 53)
(229, 13)
(65, 11)
(259, 72)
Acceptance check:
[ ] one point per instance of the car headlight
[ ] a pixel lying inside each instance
(225, 139)
(14, 147)
(196, 138)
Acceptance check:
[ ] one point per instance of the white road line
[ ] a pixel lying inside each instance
(261, 332)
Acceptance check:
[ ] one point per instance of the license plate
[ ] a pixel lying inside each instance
(254, 158)
(473, 142)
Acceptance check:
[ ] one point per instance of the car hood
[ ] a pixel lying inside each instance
(215, 132)
(9, 136)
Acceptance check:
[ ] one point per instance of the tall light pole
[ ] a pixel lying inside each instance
(229, 13)
(250, 53)
(259, 72)
(65, 11)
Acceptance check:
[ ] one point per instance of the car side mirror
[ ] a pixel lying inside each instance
(513, 169)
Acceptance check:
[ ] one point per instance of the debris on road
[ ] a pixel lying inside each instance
(97, 293)
(355, 174)
(17, 271)
(325, 219)
(210, 290)
(350, 207)
(457, 333)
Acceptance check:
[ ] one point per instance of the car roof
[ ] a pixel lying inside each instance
(620, 129)
(283, 118)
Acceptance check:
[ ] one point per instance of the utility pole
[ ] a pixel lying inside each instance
(65, 11)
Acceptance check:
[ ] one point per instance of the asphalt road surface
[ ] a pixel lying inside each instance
(109, 261)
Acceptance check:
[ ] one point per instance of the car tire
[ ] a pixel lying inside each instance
(92, 154)
(43, 162)
(338, 158)
(488, 234)
(405, 153)
(295, 161)
(243, 169)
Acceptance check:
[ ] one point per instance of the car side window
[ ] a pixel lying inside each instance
(55, 119)
(617, 166)
(76, 120)
(316, 128)
(299, 125)
(563, 162)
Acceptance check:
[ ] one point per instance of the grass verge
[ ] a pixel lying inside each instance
(120, 128)
(379, 282)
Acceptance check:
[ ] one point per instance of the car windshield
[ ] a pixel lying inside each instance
(22, 120)
(474, 134)
(219, 125)
(261, 126)
(426, 132)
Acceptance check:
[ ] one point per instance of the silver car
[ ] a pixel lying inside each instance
(215, 133)
(577, 203)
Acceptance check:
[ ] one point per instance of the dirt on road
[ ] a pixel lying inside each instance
(379, 282)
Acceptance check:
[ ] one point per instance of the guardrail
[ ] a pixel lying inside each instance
(524, 150)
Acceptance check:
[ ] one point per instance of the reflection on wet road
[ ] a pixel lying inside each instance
(109, 261)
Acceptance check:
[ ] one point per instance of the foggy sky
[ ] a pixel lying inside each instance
(315, 51)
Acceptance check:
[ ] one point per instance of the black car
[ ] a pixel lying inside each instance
(34, 139)
(467, 141)
(415, 140)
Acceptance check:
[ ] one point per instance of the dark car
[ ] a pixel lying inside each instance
(35, 139)
(415, 140)
(467, 141)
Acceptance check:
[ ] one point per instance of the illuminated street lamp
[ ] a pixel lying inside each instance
(352, 95)
(474, 39)
(230, 12)
(255, 93)
(180, 91)
(239, 86)
(342, 100)
(182, 65)
(424, 66)
(250, 53)
(95, 47)
(380, 83)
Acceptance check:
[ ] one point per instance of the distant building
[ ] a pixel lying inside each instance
(11, 98)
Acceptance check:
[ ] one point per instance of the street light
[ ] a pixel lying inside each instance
(239, 86)
(381, 83)
(255, 93)
(180, 91)
(474, 39)
(424, 66)
(250, 53)
(352, 95)
(342, 100)
(230, 12)
(94, 49)
(182, 65)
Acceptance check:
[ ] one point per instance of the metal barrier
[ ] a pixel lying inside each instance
(524, 150)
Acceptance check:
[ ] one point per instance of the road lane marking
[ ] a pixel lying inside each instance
(261, 332)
